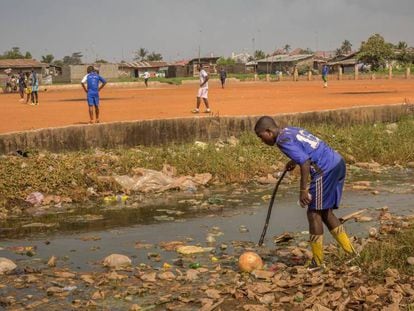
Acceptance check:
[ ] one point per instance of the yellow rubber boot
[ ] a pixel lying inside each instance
(316, 244)
(343, 240)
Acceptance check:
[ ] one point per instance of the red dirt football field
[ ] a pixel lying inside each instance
(66, 107)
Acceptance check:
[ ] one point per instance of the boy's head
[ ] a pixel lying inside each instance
(267, 130)
(90, 69)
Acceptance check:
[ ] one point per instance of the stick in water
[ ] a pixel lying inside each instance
(269, 211)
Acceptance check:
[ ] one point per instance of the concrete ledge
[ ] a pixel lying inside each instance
(181, 130)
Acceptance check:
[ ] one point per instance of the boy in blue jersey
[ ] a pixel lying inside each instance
(326, 170)
(92, 80)
(325, 71)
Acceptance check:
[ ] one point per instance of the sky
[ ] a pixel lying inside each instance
(114, 29)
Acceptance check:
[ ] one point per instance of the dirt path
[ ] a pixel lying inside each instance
(59, 108)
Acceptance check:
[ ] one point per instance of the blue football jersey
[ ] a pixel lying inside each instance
(299, 145)
(93, 80)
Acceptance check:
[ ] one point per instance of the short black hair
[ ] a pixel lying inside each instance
(265, 123)
(90, 69)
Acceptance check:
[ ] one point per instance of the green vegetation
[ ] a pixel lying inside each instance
(390, 252)
(375, 51)
(72, 173)
(15, 53)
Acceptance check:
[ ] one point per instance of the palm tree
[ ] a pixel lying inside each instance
(48, 59)
(141, 54)
(402, 45)
(286, 48)
(346, 47)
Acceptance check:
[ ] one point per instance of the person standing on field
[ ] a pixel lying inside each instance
(202, 91)
(325, 71)
(223, 77)
(92, 79)
(35, 88)
(146, 77)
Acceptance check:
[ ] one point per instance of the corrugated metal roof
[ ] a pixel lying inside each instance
(144, 64)
(284, 58)
(20, 63)
(349, 61)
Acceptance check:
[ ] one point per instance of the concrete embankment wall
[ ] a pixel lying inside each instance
(180, 130)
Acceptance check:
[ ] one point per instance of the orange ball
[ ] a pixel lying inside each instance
(250, 261)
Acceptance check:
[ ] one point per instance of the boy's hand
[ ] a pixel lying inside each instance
(290, 166)
(305, 198)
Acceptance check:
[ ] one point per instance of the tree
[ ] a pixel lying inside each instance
(141, 54)
(154, 57)
(306, 51)
(287, 48)
(222, 61)
(101, 61)
(259, 54)
(402, 45)
(346, 47)
(375, 51)
(15, 53)
(48, 59)
(403, 55)
(74, 59)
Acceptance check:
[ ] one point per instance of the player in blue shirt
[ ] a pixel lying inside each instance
(326, 170)
(92, 80)
(325, 71)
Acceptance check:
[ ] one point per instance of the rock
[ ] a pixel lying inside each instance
(410, 261)
(148, 277)
(372, 232)
(6, 265)
(363, 219)
(52, 261)
(190, 249)
(410, 164)
(117, 261)
(65, 274)
(169, 276)
(54, 290)
(243, 229)
(263, 274)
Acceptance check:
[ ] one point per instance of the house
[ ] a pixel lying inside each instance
(14, 66)
(286, 63)
(346, 62)
(178, 69)
(209, 65)
(137, 69)
(75, 73)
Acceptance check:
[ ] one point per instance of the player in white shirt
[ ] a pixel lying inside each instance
(146, 77)
(202, 91)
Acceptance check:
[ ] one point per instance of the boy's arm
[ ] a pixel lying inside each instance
(304, 177)
(103, 81)
(83, 83)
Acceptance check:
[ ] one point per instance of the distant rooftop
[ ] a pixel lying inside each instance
(145, 64)
(285, 58)
(21, 63)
